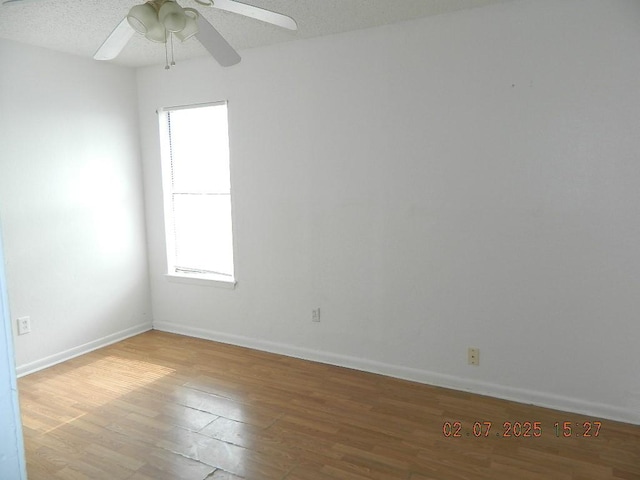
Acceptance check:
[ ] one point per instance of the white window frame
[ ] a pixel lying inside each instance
(207, 279)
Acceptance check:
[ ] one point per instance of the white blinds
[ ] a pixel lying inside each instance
(200, 194)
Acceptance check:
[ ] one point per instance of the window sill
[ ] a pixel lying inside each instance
(206, 280)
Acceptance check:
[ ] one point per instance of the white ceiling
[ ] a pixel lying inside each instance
(80, 26)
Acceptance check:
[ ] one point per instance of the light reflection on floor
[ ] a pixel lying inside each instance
(126, 376)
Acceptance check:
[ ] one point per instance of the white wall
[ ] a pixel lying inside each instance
(465, 180)
(71, 203)
(12, 463)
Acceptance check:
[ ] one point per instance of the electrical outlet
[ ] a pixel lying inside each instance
(473, 356)
(24, 325)
(315, 315)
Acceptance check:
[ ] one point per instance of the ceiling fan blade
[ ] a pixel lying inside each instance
(115, 42)
(258, 13)
(16, 2)
(218, 47)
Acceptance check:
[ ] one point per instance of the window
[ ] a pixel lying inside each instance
(197, 192)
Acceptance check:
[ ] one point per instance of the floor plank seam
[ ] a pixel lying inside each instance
(211, 474)
(290, 471)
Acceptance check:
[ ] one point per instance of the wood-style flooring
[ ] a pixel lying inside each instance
(160, 406)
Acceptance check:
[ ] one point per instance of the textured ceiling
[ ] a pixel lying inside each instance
(80, 26)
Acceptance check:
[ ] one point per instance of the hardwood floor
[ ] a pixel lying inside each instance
(162, 406)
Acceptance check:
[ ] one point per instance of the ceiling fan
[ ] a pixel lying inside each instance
(161, 20)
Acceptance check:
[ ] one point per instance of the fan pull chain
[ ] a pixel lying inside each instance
(173, 62)
(166, 53)
(167, 45)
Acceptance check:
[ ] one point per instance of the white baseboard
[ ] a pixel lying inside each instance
(531, 397)
(51, 360)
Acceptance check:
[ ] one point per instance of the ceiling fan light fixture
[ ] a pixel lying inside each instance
(161, 20)
(172, 16)
(191, 26)
(143, 18)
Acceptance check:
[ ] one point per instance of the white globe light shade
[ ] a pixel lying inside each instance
(172, 16)
(142, 18)
(191, 27)
(157, 33)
